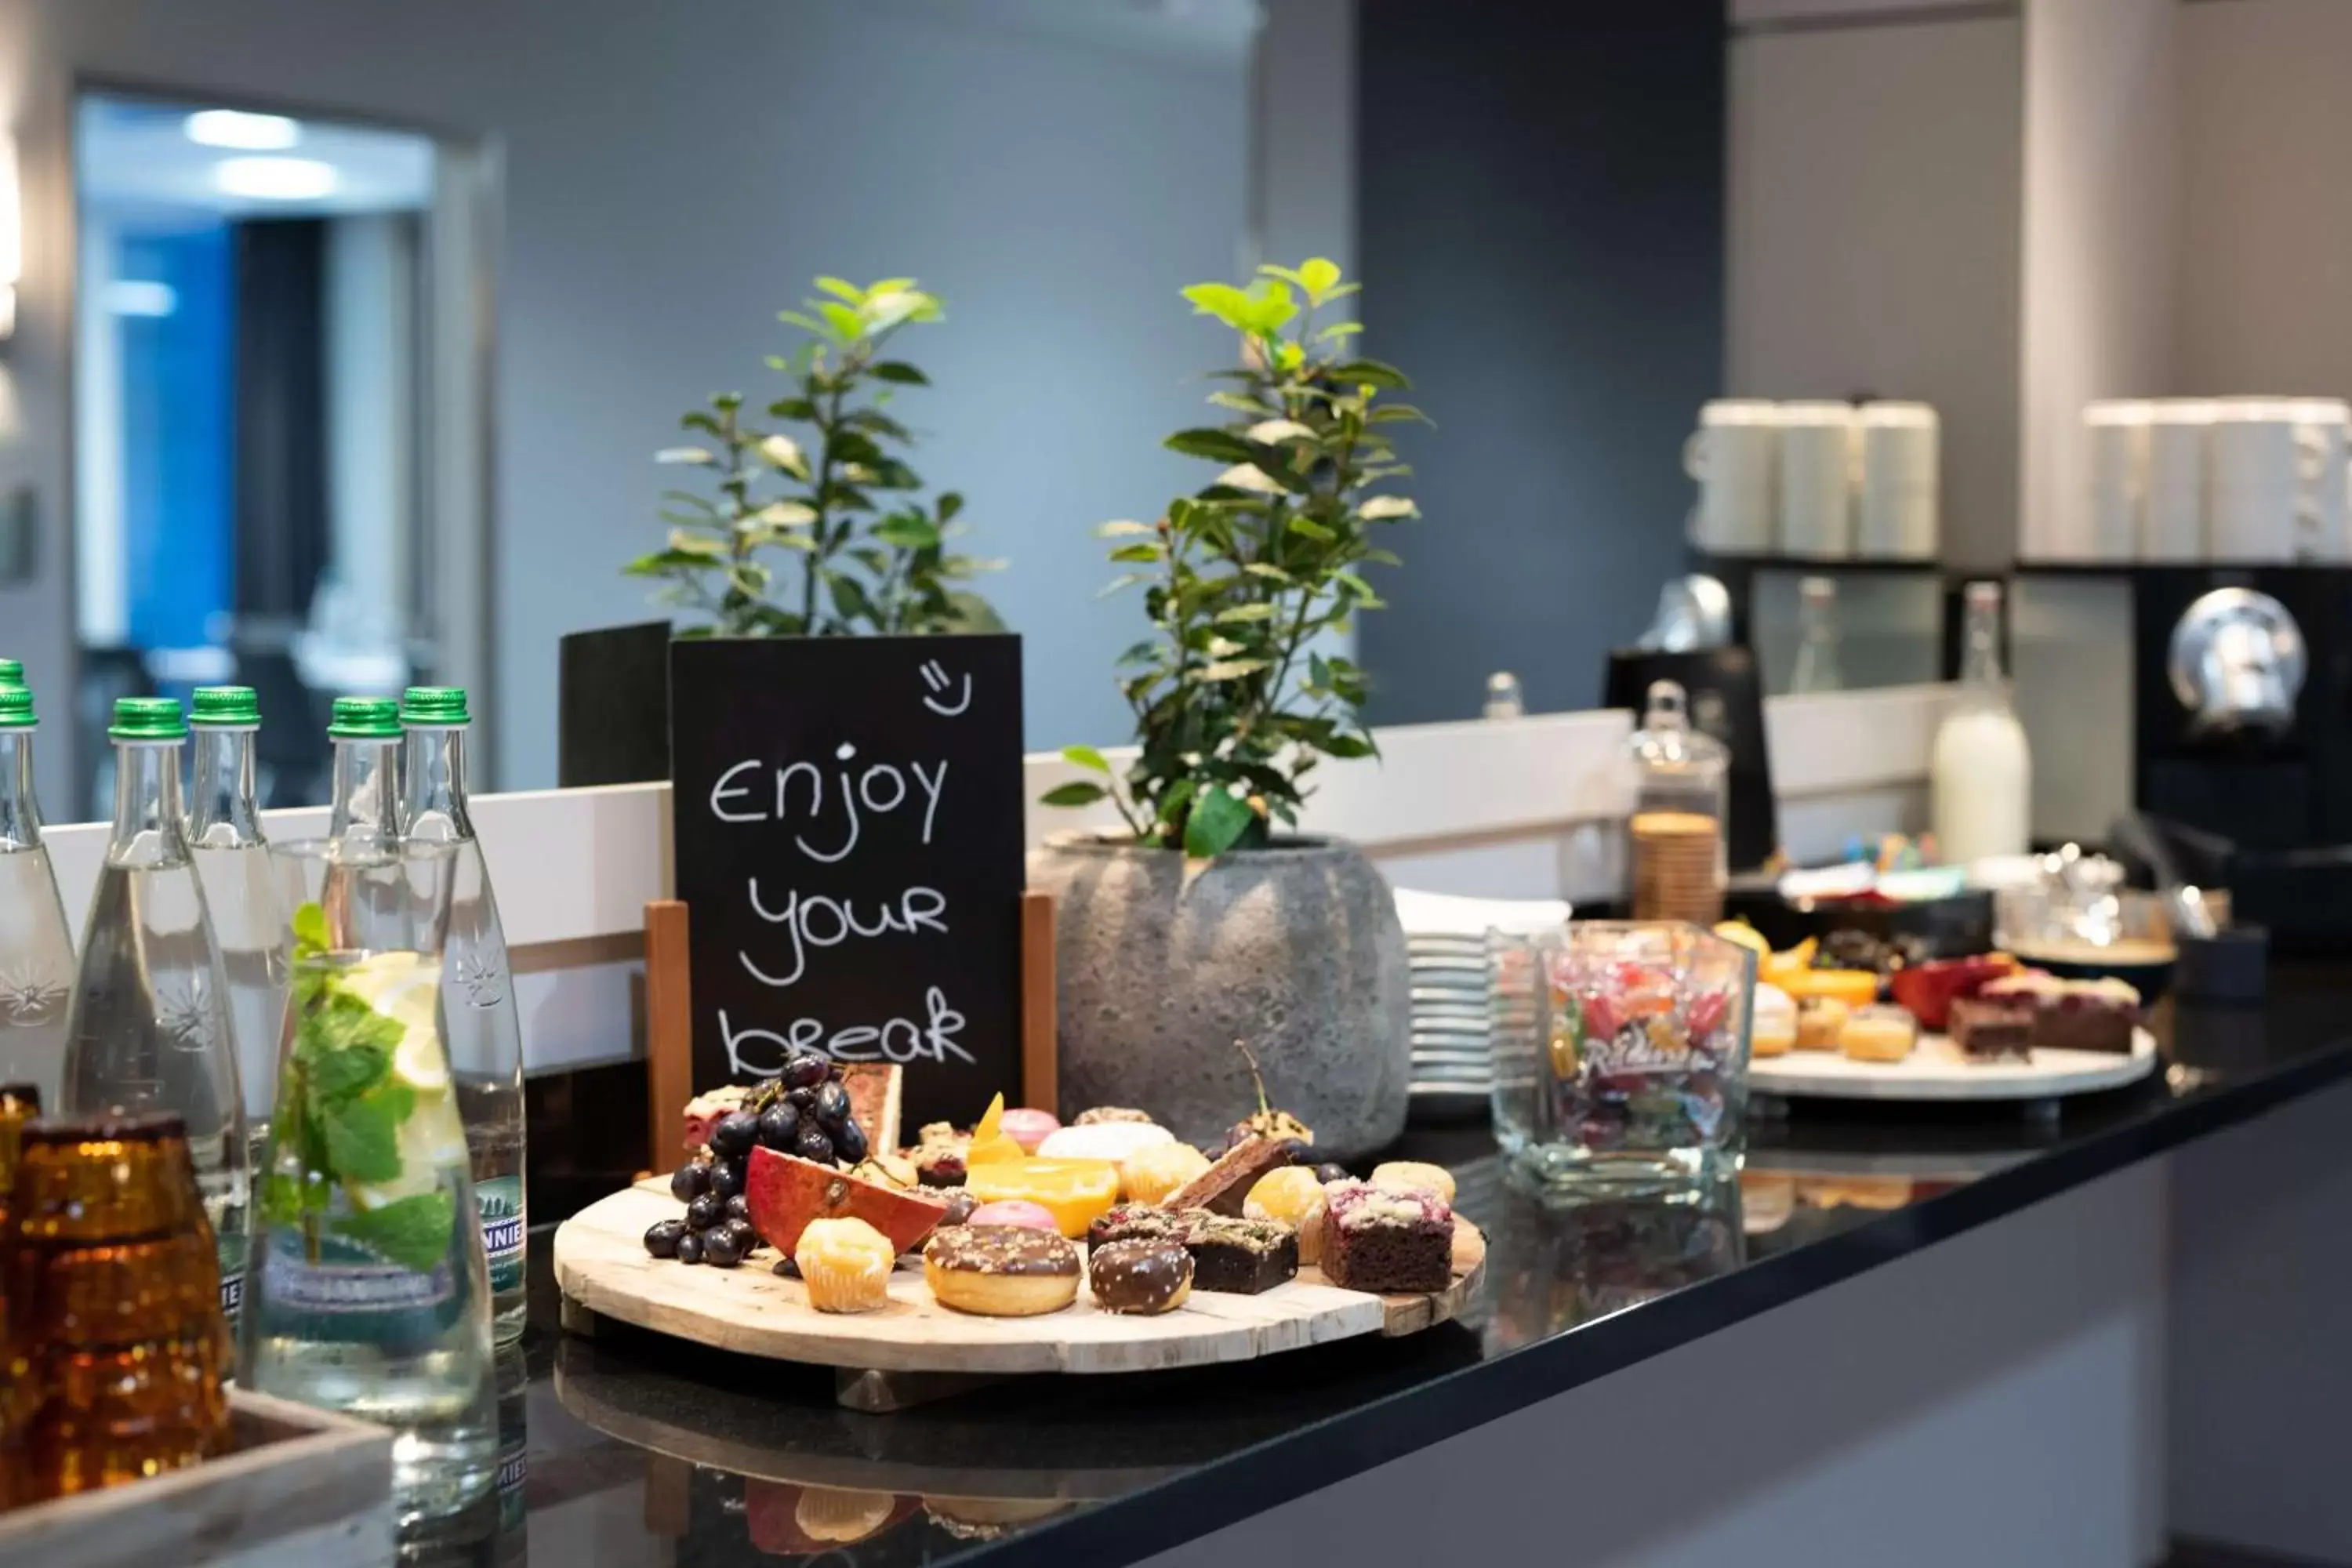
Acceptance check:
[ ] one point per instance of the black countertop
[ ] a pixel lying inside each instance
(717, 1453)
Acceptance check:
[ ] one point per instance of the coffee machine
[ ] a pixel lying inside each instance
(2244, 702)
(2243, 714)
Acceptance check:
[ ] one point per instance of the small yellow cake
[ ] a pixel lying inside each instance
(1821, 1020)
(845, 1263)
(1878, 1034)
(1149, 1176)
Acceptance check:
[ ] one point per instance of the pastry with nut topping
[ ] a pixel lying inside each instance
(1001, 1270)
(1141, 1276)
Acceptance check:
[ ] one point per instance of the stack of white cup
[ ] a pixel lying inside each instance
(2236, 480)
(1821, 480)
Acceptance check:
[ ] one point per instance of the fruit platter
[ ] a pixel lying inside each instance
(803, 1227)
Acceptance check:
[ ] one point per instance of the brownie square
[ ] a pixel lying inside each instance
(2080, 1021)
(1240, 1256)
(1386, 1243)
(1988, 1029)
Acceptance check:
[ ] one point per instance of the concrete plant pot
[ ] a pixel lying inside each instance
(1295, 948)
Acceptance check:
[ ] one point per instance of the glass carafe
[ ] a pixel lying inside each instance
(370, 1292)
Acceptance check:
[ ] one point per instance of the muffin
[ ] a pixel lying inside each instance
(845, 1263)
(1149, 1176)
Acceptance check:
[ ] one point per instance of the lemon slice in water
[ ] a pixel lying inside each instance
(406, 989)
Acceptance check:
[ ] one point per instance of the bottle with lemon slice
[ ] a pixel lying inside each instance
(369, 1290)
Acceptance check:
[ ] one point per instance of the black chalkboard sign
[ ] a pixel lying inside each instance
(848, 827)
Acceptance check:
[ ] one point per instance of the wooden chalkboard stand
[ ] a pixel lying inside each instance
(669, 1017)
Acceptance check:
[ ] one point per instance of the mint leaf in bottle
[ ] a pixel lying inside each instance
(413, 1232)
(309, 924)
(362, 1137)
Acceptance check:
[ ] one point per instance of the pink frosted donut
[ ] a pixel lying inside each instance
(1030, 1128)
(1015, 1210)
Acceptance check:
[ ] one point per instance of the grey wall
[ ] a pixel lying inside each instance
(1877, 194)
(2265, 261)
(1540, 209)
(672, 177)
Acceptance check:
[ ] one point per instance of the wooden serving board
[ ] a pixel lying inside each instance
(600, 1264)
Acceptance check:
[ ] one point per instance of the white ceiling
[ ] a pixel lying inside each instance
(134, 159)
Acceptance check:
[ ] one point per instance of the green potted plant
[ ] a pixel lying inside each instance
(807, 521)
(1207, 917)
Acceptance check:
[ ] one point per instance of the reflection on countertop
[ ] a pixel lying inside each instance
(644, 1449)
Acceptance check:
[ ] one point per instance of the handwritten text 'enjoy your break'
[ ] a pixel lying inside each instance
(832, 821)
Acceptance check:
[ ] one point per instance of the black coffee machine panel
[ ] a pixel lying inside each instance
(2243, 705)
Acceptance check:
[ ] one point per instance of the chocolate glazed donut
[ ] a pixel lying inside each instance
(1143, 1276)
(1000, 1271)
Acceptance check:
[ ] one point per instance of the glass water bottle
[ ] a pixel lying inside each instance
(1675, 853)
(484, 1030)
(150, 1026)
(1981, 771)
(37, 955)
(1818, 667)
(233, 860)
(365, 804)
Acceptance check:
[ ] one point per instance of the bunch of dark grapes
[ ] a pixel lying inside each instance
(717, 1229)
(803, 1111)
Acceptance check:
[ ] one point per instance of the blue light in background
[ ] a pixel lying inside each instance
(178, 437)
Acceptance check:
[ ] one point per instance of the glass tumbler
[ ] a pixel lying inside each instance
(368, 1291)
(114, 1293)
(1641, 1080)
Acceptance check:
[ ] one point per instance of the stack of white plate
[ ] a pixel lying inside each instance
(1455, 1012)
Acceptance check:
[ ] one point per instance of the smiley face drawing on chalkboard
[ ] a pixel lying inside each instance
(937, 680)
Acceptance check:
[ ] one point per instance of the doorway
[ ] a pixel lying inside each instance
(265, 366)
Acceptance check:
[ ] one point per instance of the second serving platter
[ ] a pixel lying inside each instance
(1935, 1071)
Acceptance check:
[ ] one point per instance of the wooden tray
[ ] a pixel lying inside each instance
(302, 1485)
(1935, 1071)
(601, 1265)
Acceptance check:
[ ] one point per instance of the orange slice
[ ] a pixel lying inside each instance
(1077, 1192)
(991, 1145)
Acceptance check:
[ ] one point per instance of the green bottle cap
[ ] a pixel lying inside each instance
(12, 672)
(364, 718)
(147, 718)
(435, 707)
(17, 707)
(231, 707)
